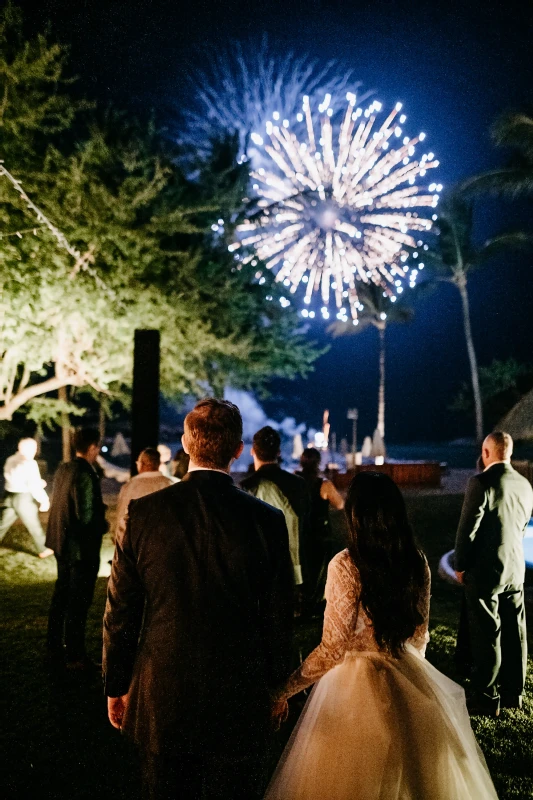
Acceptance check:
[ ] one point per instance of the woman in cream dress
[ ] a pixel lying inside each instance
(381, 723)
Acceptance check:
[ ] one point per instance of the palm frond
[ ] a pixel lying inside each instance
(510, 182)
(515, 130)
(503, 243)
(337, 329)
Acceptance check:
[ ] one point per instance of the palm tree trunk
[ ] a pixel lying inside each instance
(381, 391)
(461, 285)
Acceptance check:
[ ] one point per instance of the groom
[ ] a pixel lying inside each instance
(197, 622)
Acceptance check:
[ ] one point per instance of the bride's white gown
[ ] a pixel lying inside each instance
(376, 727)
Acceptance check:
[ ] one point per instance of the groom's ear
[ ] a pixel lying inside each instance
(184, 443)
(238, 451)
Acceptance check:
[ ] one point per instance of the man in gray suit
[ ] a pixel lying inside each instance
(489, 561)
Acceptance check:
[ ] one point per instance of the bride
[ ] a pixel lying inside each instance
(381, 722)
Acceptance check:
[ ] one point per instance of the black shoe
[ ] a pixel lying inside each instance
(511, 701)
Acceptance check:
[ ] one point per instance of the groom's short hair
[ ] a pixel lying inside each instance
(213, 431)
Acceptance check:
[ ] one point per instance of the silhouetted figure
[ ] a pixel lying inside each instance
(76, 526)
(316, 547)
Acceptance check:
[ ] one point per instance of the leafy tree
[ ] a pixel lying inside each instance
(380, 312)
(501, 385)
(454, 257)
(113, 186)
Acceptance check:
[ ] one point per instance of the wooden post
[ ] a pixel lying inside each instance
(101, 420)
(62, 394)
(145, 399)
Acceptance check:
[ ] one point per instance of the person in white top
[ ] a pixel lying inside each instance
(25, 495)
(147, 481)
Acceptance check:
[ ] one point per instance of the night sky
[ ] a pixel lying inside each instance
(455, 66)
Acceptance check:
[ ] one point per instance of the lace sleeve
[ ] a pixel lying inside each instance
(420, 637)
(340, 618)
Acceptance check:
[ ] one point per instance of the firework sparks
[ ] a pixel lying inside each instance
(339, 207)
(239, 88)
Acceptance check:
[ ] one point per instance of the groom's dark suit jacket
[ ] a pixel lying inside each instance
(197, 628)
(489, 545)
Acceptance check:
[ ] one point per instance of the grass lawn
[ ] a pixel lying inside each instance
(56, 742)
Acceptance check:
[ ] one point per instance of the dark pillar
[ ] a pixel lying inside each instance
(145, 399)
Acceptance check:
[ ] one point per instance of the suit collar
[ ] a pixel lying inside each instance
(208, 476)
(498, 465)
(269, 468)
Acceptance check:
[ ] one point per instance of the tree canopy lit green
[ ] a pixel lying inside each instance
(114, 186)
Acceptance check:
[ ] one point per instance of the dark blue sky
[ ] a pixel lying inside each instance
(455, 65)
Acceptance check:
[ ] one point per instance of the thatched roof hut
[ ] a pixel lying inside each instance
(519, 420)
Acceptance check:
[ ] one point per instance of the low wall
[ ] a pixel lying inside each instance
(405, 473)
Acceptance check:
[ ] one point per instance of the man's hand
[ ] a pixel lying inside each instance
(45, 505)
(116, 707)
(460, 576)
(279, 713)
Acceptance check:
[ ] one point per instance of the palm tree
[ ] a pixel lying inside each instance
(452, 260)
(378, 311)
(515, 131)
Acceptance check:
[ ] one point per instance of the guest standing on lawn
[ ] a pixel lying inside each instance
(25, 495)
(197, 623)
(317, 546)
(148, 480)
(280, 489)
(489, 562)
(75, 529)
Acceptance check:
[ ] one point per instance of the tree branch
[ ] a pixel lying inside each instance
(36, 389)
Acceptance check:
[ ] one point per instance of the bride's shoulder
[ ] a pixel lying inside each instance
(342, 562)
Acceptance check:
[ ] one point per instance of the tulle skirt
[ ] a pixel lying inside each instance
(378, 728)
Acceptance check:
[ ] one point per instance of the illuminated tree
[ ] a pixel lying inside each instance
(113, 187)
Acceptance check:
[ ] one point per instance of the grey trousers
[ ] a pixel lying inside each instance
(21, 505)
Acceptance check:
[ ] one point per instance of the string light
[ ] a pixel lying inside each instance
(330, 214)
(82, 261)
(22, 233)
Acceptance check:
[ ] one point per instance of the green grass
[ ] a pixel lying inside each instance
(56, 742)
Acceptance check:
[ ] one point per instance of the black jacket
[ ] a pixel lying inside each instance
(197, 627)
(489, 544)
(293, 487)
(77, 521)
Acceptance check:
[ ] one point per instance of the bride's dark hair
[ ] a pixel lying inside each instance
(391, 568)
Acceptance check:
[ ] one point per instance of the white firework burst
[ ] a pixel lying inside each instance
(241, 86)
(339, 208)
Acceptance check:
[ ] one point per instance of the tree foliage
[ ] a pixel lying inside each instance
(114, 187)
(502, 384)
(454, 256)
